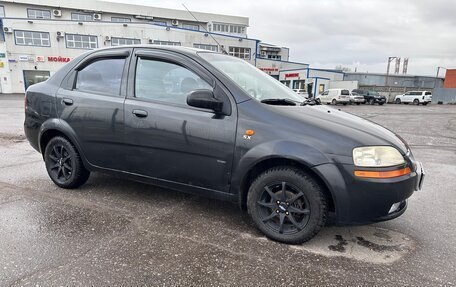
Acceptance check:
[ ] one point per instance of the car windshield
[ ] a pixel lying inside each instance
(255, 82)
(373, 93)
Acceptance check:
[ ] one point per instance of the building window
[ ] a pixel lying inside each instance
(120, 19)
(190, 26)
(115, 41)
(81, 17)
(32, 38)
(240, 52)
(161, 23)
(81, 41)
(321, 88)
(227, 28)
(38, 14)
(101, 77)
(2, 12)
(206, 47)
(167, 43)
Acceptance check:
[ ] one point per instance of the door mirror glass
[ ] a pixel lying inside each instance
(203, 98)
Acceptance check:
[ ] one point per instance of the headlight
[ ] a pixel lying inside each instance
(377, 156)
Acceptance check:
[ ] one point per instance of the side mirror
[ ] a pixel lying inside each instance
(204, 99)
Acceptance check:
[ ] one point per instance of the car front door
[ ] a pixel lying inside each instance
(91, 102)
(169, 140)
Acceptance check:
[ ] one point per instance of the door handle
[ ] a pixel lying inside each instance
(140, 113)
(67, 101)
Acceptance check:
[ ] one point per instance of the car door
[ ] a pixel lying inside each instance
(91, 102)
(324, 97)
(407, 98)
(169, 140)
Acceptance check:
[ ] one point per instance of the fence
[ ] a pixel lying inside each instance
(444, 96)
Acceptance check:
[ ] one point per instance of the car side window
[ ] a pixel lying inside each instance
(103, 76)
(165, 81)
(325, 93)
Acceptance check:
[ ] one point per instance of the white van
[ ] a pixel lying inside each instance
(415, 97)
(335, 96)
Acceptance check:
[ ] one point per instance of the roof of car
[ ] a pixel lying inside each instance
(181, 49)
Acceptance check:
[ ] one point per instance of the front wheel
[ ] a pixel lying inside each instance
(398, 101)
(64, 164)
(334, 102)
(287, 205)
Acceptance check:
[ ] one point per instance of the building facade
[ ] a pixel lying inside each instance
(39, 37)
(450, 79)
(313, 81)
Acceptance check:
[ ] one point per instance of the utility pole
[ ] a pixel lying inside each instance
(388, 69)
(437, 75)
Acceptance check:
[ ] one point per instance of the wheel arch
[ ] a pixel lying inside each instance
(270, 162)
(56, 127)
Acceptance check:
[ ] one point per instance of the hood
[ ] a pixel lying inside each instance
(344, 130)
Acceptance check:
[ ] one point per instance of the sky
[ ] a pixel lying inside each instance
(357, 34)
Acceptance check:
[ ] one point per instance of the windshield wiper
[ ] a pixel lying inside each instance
(280, 102)
(311, 102)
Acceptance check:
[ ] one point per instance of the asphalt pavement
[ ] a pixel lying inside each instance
(114, 232)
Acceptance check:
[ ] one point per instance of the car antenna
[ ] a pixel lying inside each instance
(210, 34)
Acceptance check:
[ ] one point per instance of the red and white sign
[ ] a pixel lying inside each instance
(58, 59)
(269, 69)
(291, 75)
(40, 59)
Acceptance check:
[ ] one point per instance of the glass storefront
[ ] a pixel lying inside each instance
(32, 77)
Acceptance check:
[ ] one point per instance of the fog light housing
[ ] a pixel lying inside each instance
(395, 207)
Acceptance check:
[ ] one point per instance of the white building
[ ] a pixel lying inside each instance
(314, 81)
(38, 37)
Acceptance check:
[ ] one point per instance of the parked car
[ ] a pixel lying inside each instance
(371, 97)
(335, 96)
(355, 98)
(301, 92)
(214, 125)
(415, 97)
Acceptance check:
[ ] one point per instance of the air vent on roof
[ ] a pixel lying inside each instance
(97, 16)
(57, 13)
(174, 22)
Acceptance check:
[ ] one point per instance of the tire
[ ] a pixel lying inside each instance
(293, 223)
(334, 102)
(344, 104)
(64, 164)
(425, 103)
(398, 101)
(381, 104)
(358, 104)
(371, 102)
(416, 102)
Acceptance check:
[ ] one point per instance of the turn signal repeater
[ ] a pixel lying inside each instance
(248, 134)
(383, 174)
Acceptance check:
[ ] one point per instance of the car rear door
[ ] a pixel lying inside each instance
(91, 102)
(168, 140)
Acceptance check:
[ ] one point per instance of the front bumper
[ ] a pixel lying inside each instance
(367, 200)
(380, 100)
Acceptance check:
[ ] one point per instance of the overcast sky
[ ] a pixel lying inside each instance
(351, 33)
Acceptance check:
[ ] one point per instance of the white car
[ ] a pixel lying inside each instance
(356, 98)
(415, 97)
(335, 96)
(301, 92)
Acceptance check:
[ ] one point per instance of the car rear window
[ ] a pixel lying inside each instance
(345, 92)
(428, 93)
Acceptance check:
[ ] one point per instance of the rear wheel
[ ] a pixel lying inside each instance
(425, 103)
(64, 164)
(287, 205)
(398, 101)
(334, 102)
(416, 102)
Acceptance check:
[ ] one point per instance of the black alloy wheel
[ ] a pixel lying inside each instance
(64, 164)
(283, 208)
(287, 205)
